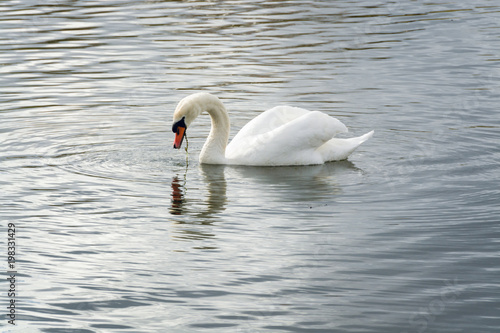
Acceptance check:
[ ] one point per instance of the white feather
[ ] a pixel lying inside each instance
(283, 135)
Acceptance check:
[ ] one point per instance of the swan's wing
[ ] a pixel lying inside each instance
(268, 121)
(293, 142)
(308, 131)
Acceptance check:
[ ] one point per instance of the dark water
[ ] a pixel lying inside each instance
(117, 232)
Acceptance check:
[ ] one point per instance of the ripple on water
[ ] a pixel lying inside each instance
(113, 223)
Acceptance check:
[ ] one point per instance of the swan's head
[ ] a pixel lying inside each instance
(186, 111)
(191, 107)
(179, 128)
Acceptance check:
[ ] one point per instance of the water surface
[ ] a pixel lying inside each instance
(118, 232)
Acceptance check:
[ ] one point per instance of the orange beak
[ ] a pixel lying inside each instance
(179, 136)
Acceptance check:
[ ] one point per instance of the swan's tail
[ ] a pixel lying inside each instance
(339, 149)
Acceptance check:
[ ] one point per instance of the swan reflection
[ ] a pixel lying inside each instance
(301, 184)
(204, 212)
(177, 197)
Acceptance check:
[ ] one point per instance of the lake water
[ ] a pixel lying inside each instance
(118, 232)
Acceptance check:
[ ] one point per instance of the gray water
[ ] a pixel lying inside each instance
(118, 232)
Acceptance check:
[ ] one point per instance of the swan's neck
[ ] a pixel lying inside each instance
(214, 149)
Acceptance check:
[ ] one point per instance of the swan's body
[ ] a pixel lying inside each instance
(283, 135)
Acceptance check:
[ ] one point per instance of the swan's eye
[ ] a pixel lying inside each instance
(180, 123)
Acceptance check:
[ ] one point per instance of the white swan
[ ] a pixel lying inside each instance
(283, 135)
